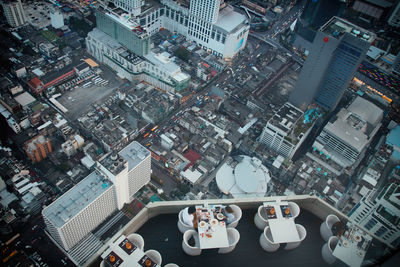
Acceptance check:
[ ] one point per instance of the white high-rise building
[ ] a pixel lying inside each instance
(380, 214)
(132, 6)
(346, 137)
(14, 13)
(286, 130)
(81, 209)
(206, 10)
(57, 19)
(129, 170)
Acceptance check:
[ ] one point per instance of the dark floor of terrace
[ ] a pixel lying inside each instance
(161, 233)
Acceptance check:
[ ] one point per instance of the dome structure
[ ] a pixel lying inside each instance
(243, 177)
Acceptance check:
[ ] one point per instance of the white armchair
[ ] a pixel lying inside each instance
(294, 209)
(326, 226)
(188, 249)
(181, 225)
(328, 248)
(266, 241)
(260, 219)
(233, 238)
(237, 212)
(302, 234)
(154, 255)
(137, 240)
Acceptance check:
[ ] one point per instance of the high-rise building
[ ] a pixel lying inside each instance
(81, 209)
(38, 148)
(117, 178)
(57, 19)
(128, 169)
(337, 51)
(394, 19)
(278, 134)
(318, 12)
(132, 6)
(380, 214)
(14, 13)
(124, 30)
(346, 137)
(206, 10)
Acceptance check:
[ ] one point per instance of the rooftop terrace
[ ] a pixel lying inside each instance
(336, 27)
(286, 117)
(157, 223)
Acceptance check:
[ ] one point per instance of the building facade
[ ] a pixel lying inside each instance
(118, 176)
(121, 28)
(346, 137)
(14, 13)
(281, 134)
(157, 70)
(337, 51)
(394, 19)
(38, 148)
(129, 170)
(380, 214)
(81, 209)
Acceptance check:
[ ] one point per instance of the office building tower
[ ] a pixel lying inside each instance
(318, 12)
(57, 19)
(81, 209)
(132, 6)
(124, 30)
(118, 176)
(394, 19)
(279, 128)
(347, 136)
(38, 148)
(128, 169)
(379, 213)
(14, 13)
(206, 10)
(337, 51)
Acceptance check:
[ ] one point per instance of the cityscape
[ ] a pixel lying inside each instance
(200, 133)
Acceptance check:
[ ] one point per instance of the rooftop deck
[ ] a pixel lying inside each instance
(163, 227)
(157, 223)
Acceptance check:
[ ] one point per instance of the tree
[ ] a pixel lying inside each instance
(182, 53)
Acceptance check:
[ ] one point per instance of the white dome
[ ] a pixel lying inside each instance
(249, 178)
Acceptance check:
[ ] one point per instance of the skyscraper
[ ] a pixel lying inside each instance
(132, 6)
(206, 10)
(14, 13)
(336, 53)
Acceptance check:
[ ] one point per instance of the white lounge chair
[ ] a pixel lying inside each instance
(266, 241)
(137, 240)
(294, 209)
(154, 255)
(233, 238)
(302, 234)
(328, 248)
(188, 249)
(260, 219)
(326, 226)
(237, 212)
(181, 225)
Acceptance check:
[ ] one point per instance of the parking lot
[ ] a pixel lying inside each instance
(79, 99)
